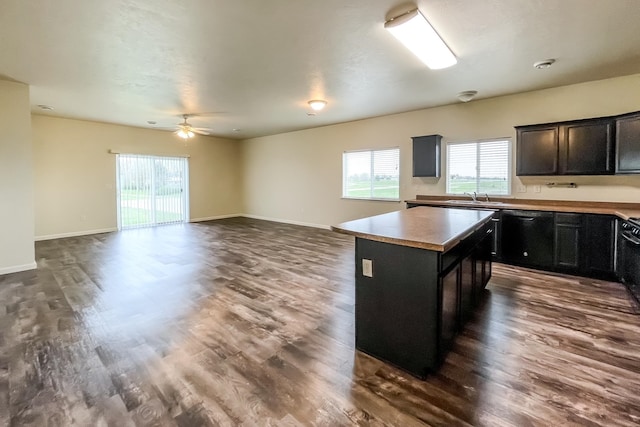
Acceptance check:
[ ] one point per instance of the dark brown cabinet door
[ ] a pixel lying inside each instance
(537, 150)
(449, 309)
(484, 253)
(599, 246)
(567, 241)
(586, 148)
(467, 284)
(426, 156)
(628, 144)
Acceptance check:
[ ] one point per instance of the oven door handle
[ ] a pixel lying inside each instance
(633, 240)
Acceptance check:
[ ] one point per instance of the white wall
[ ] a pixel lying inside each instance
(16, 180)
(75, 175)
(297, 176)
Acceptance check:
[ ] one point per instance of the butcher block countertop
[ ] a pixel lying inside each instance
(431, 228)
(621, 210)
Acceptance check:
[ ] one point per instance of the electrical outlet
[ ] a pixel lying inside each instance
(536, 188)
(522, 189)
(367, 267)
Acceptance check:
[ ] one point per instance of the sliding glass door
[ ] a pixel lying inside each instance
(152, 190)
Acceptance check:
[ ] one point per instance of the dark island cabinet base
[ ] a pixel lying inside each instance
(409, 312)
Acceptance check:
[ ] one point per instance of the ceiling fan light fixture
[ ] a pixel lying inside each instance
(185, 133)
(317, 104)
(414, 31)
(467, 95)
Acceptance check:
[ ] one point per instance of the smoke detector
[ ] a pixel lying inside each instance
(541, 65)
(467, 95)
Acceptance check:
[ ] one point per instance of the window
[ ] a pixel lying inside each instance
(371, 174)
(481, 166)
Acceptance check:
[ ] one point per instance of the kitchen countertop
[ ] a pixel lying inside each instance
(430, 228)
(621, 210)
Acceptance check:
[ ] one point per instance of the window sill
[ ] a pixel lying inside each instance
(481, 196)
(371, 200)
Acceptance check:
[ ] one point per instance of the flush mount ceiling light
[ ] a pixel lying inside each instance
(414, 31)
(317, 104)
(467, 95)
(541, 65)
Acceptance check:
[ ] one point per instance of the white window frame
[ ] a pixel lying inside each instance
(344, 174)
(478, 141)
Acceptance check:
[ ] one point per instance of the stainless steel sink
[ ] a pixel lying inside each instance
(464, 202)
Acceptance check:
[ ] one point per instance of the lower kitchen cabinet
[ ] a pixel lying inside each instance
(497, 233)
(450, 291)
(482, 256)
(467, 285)
(567, 238)
(572, 243)
(599, 246)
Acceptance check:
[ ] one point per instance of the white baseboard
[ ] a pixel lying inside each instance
(213, 218)
(210, 218)
(18, 268)
(74, 234)
(286, 221)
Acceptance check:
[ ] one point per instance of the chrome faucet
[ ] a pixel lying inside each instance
(473, 196)
(487, 197)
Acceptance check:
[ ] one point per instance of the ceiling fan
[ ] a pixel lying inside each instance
(186, 130)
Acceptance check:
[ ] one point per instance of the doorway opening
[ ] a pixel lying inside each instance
(151, 190)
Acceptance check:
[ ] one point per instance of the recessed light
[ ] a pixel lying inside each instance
(467, 95)
(151, 122)
(541, 65)
(317, 104)
(45, 107)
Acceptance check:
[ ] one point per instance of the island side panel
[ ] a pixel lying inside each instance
(397, 309)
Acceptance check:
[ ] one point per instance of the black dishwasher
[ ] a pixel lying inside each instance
(527, 238)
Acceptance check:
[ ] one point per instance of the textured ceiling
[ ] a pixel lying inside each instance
(256, 63)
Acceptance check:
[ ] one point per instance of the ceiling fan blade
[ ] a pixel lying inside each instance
(204, 114)
(201, 131)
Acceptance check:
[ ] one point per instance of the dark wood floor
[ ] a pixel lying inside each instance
(245, 322)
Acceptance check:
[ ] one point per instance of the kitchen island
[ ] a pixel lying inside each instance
(419, 274)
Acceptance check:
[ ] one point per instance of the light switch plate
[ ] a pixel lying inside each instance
(367, 267)
(536, 188)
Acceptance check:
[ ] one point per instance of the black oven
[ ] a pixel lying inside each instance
(629, 255)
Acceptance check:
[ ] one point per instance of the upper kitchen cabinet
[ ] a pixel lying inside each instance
(583, 147)
(628, 143)
(426, 155)
(537, 150)
(586, 148)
